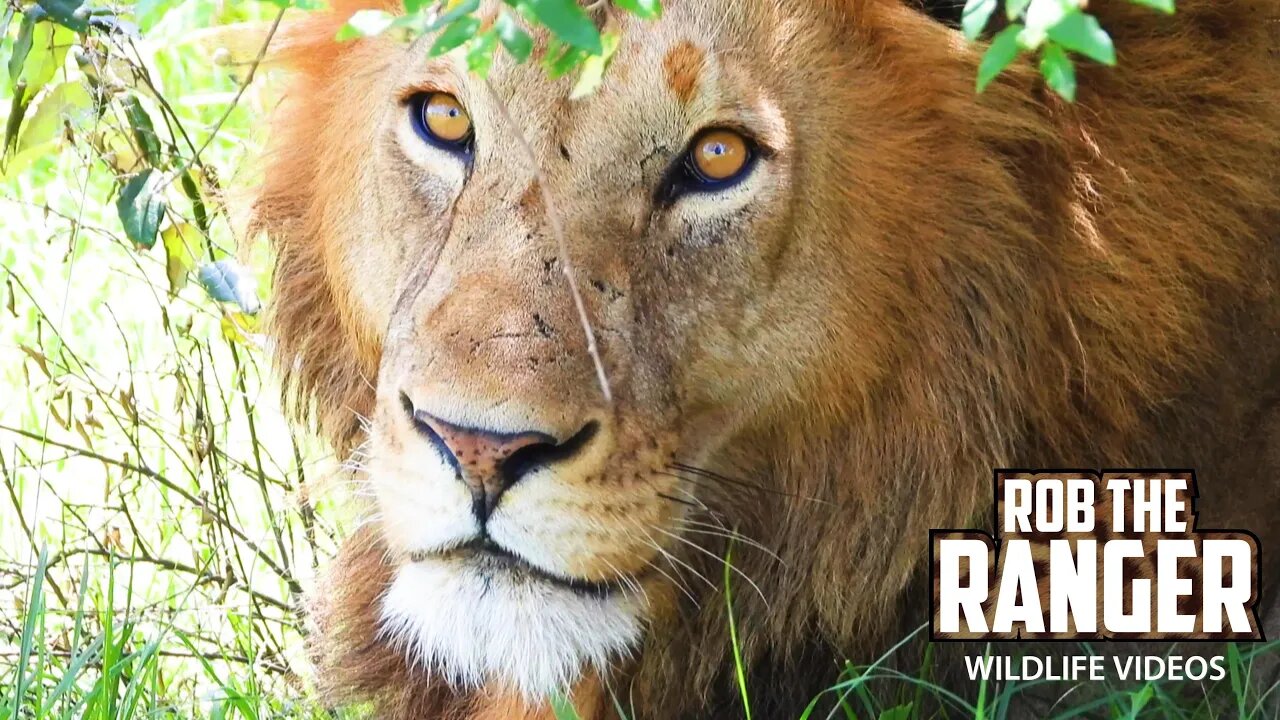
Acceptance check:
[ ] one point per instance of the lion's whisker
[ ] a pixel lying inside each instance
(665, 496)
(712, 555)
(718, 477)
(674, 581)
(627, 579)
(670, 556)
(731, 535)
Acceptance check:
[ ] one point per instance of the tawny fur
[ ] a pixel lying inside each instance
(1054, 285)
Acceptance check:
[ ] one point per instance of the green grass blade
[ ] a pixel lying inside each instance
(738, 666)
(35, 614)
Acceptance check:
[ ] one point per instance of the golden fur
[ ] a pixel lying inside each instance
(921, 284)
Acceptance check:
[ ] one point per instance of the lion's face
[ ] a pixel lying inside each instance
(527, 510)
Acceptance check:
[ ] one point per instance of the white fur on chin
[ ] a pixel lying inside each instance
(474, 625)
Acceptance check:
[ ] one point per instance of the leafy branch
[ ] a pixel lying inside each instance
(575, 42)
(1053, 29)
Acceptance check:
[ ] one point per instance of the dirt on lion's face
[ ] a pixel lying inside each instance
(828, 286)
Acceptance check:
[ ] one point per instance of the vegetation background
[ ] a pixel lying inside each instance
(159, 517)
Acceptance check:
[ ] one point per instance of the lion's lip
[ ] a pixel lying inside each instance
(491, 555)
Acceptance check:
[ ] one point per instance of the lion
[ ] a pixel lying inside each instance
(754, 316)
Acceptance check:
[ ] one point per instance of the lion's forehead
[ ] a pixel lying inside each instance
(667, 77)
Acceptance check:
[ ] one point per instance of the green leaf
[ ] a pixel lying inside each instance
(191, 188)
(975, 16)
(457, 33)
(21, 46)
(1058, 71)
(141, 205)
(567, 21)
(1042, 15)
(68, 101)
(365, 23)
(561, 58)
(46, 55)
(480, 53)
(647, 9)
(513, 37)
(1081, 33)
(68, 13)
(1164, 6)
(17, 111)
(594, 67)
(1002, 52)
(1013, 9)
(144, 131)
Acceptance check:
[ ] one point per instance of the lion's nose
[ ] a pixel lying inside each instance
(490, 462)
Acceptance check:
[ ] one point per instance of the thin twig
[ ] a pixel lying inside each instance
(562, 248)
(235, 101)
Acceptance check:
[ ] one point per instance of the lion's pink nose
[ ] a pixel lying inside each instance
(490, 462)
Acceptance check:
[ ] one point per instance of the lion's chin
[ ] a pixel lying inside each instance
(475, 622)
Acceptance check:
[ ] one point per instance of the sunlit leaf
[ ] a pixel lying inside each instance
(69, 101)
(457, 33)
(513, 37)
(1058, 71)
(1081, 33)
(1040, 16)
(366, 23)
(239, 328)
(975, 17)
(115, 150)
(49, 45)
(480, 52)
(560, 58)
(594, 67)
(567, 20)
(1002, 52)
(183, 248)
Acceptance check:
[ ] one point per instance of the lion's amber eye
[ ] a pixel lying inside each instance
(443, 120)
(719, 155)
(717, 159)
